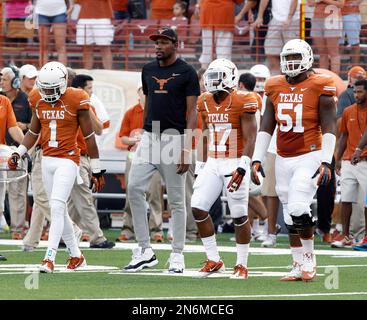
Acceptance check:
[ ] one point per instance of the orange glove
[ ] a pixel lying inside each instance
(325, 174)
(237, 177)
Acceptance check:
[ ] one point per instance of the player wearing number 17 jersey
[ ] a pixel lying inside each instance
(302, 103)
(57, 114)
(229, 116)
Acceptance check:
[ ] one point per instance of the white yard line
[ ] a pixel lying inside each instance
(253, 296)
(200, 249)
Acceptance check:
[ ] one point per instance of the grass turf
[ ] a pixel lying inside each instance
(101, 285)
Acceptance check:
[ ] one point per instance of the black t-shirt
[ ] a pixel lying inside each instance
(23, 113)
(166, 89)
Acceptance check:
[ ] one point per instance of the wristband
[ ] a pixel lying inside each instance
(327, 147)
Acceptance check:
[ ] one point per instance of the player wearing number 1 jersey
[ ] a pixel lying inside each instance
(302, 103)
(229, 116)
(57, 114)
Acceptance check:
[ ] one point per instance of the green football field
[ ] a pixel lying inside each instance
(342, 274)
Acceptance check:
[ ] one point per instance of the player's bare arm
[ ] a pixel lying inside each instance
(249, 129)
(202, 147)
(28, 142)
(183, 166)
(97, 124)
(85, 123)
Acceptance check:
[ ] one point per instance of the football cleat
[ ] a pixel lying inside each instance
(308, 267)
(176, 263)
(2, 258)
(342, 241)
(47, 266)
(75, 263)
(210, 267)
(295, 274)
(239, 272)
(141, 259)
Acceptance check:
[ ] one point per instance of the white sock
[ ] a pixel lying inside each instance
(255, 225)
(210, 245)
(50, 254)
(297, 254)
(69, 238)
(308, 245)
(339, 227)
(242, 253)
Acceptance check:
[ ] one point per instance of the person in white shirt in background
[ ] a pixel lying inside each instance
(284, 26)
(27, 75)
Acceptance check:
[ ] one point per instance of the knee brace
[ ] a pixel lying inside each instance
(238, 222)
(291, 229)
(303, 221)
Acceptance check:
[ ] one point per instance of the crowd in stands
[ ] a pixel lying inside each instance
(210, 26)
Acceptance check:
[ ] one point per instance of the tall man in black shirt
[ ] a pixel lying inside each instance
(171, 87)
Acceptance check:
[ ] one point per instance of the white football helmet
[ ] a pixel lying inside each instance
(52, 81)
(262, 73)
(293, 68)
(221, 75)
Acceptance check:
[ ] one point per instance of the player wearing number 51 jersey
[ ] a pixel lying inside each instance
(229, 116)
(302, 103)
(57, 114)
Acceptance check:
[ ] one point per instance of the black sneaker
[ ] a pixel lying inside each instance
(2, 258)
(103, 245)
(141, 259)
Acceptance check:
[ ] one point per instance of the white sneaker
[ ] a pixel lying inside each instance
(270, 241)
(295, 274)
(141, 259)
(308, 266)
(176, 263)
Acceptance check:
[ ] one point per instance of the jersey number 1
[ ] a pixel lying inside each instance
(288, 119)
(52, 142)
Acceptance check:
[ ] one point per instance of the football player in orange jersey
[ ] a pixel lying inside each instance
(302, 103)
(57, 114)
(229, 116)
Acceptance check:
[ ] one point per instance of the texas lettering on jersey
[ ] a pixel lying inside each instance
(224, 122)
(296, 109)
(59, 122)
